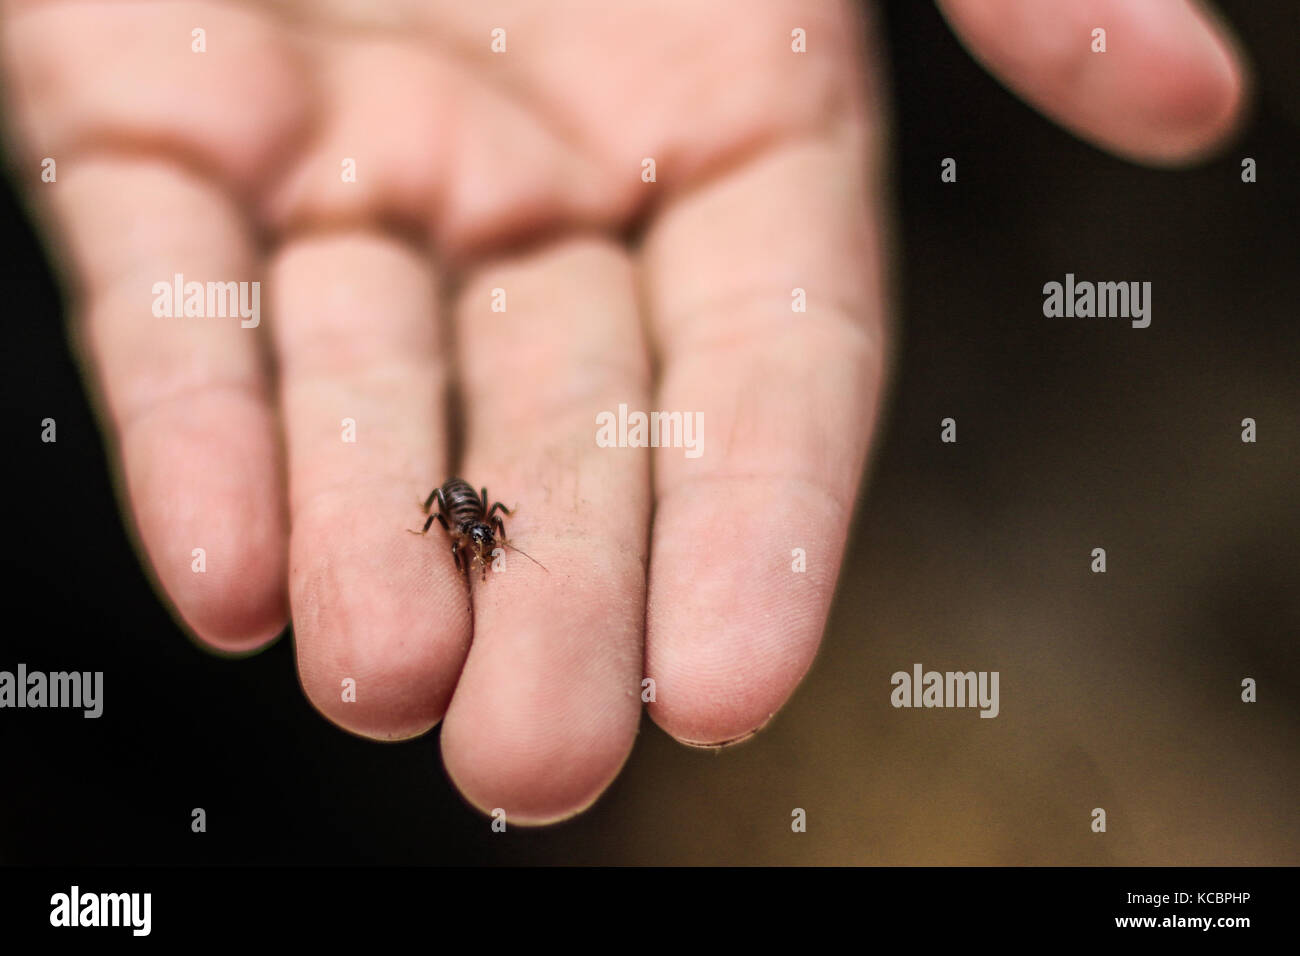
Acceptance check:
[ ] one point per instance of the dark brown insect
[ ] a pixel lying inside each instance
(474, 528)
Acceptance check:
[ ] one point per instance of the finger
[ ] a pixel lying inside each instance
(132, 76)
(186, 396)
(1169, 86)
(788, 404)
(380, 620)
(547, 708)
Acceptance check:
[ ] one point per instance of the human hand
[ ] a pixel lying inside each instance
(521, 171)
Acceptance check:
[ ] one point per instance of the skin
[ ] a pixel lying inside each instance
(520, 171)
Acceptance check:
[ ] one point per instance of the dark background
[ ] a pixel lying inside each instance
(1118, 690)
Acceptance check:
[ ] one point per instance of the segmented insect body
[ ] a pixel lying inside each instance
(474, 528)
(463, 506)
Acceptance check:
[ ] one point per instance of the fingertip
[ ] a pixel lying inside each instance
(715, 711)
(722, 690)
(1159, 84)
(721, 743)
(380, 634)
(380, 718)
(543, 721)
(381, 696)
(234, 620)
(230, 594)
(728, 643)
(522, 767)
(203, 486)
(1197, 110)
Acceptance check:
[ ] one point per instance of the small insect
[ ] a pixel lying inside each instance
(474, 528)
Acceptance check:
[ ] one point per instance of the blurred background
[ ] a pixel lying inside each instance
(1119, 691)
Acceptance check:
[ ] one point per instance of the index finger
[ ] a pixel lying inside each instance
(748, 533)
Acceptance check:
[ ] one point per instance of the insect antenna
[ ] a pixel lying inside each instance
(526, 555)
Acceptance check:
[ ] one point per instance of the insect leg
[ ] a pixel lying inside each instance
(496, 506)
(455, 554)
(483, 497)
(441, 520)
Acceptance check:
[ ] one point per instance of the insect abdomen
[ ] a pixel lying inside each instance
(463, 503)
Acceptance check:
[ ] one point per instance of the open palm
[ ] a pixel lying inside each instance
(517, 177)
